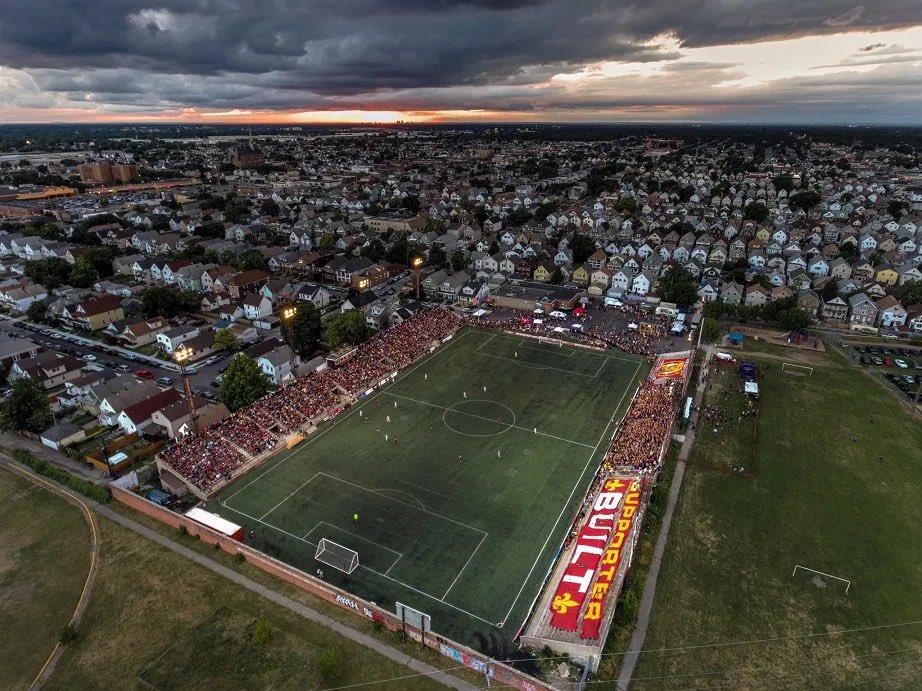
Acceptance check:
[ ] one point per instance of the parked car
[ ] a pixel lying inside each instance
(89, 357)
(901, 363)
(877, 361)
(131, 356)
(192, 370)
(888, 361)
(211, 360)
(123, 368)
(144, 374)
(165, 381)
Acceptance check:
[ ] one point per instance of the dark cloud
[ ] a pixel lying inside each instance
(873, 46)
(404, 54)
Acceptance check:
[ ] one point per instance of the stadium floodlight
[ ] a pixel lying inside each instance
(339, 557)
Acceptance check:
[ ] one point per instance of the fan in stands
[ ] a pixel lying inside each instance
(215, 454)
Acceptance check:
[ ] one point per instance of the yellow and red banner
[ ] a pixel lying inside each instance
(614, 555)
(673, 368)
(591, 545)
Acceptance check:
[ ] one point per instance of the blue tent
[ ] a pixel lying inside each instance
(735, 338)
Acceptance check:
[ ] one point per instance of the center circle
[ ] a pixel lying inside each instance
(473, 417)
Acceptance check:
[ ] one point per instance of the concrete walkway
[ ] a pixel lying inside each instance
(649, 590)
(292, 605)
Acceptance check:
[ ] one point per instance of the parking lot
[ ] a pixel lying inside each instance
(901, 366)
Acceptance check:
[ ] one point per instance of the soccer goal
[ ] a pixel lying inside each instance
(797, 370)
(337, 556)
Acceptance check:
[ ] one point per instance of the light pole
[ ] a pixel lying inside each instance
(417, 263)
(182, 356)
(288, 315)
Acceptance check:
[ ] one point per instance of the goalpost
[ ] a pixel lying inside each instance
(786, 366)
(339, 557)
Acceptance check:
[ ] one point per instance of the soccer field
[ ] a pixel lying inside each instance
(464, 473)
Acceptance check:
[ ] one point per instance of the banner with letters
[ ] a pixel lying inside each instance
(590, 546)
(617, 551)
(673, 368)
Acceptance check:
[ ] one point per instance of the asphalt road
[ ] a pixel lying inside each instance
(200, 380)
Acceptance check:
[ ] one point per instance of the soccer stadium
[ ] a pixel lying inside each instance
(452, 469)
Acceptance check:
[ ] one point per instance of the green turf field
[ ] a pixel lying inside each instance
(462, 508)
(729, 608)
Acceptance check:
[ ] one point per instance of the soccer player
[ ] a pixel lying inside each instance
(355, 518)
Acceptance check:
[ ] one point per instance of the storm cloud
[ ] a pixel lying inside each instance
(407, 54)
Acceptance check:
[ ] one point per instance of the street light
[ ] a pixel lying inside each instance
(182, 356)
(289, 312)
(417, 263)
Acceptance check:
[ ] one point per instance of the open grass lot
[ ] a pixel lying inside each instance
(821, 500)
(726, 422)
(44, 559)
(462, 507)
(156, 620)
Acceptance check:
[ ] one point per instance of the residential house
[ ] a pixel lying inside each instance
(279, 364)
(834, 310)
(171, 339)
(47, 369)
(246, 282)
(732, 293)
(13, 349)
(890, 312)
(862, 312)
(757, 295)
(94, 314)
(256, 306)
(136, 418)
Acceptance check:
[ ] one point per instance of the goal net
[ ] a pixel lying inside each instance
(791, 368)
(337, 556)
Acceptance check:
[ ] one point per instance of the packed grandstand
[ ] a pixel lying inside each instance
(213, 456)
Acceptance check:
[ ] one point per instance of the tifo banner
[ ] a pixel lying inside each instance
(592, 619)
(671, 369)
(587, 553)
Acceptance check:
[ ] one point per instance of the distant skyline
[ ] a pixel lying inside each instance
(431, 61)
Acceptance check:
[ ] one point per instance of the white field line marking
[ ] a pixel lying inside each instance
(464, 567)
(520, 363)
(564, 508)
(300, 487)
(477, 349)
(481, 417)
(572, 348)
(357, 537)
(391, 566)
(400, 491)
(370, 570)
(415, 508)
(334, 423)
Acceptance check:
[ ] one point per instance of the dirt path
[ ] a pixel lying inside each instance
(48, 668)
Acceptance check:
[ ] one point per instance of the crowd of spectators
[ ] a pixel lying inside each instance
(646, 339)
(214, 454)
(645, 428)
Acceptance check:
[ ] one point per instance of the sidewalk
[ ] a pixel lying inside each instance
(649, 590)
(11, 440)
(362, 639)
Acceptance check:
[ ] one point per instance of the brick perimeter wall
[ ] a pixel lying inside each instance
(500, 674)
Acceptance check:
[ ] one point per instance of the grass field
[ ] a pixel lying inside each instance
(823, 500)
(147, 599)
(461, 507)
(44, 559)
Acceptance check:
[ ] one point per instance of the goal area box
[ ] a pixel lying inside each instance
(339, 557)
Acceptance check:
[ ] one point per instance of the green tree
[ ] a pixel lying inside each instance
(252, 259)
(795, 318)
(348, 327)
(37, 312)
(756, 211)
(710, 329)
(783, 181)
(678, 285)
(582, 246)
(458, 260)
(374, 250)
(411, 203)
(437, 257)
(27, 408)
(302, 331)
(51, 273)
(911, 293)
(804, 200)
(83, 274)
(327, 241)
(557, 276)
(243, 382)
(159, 300)
(225, 339)
(897, 208)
